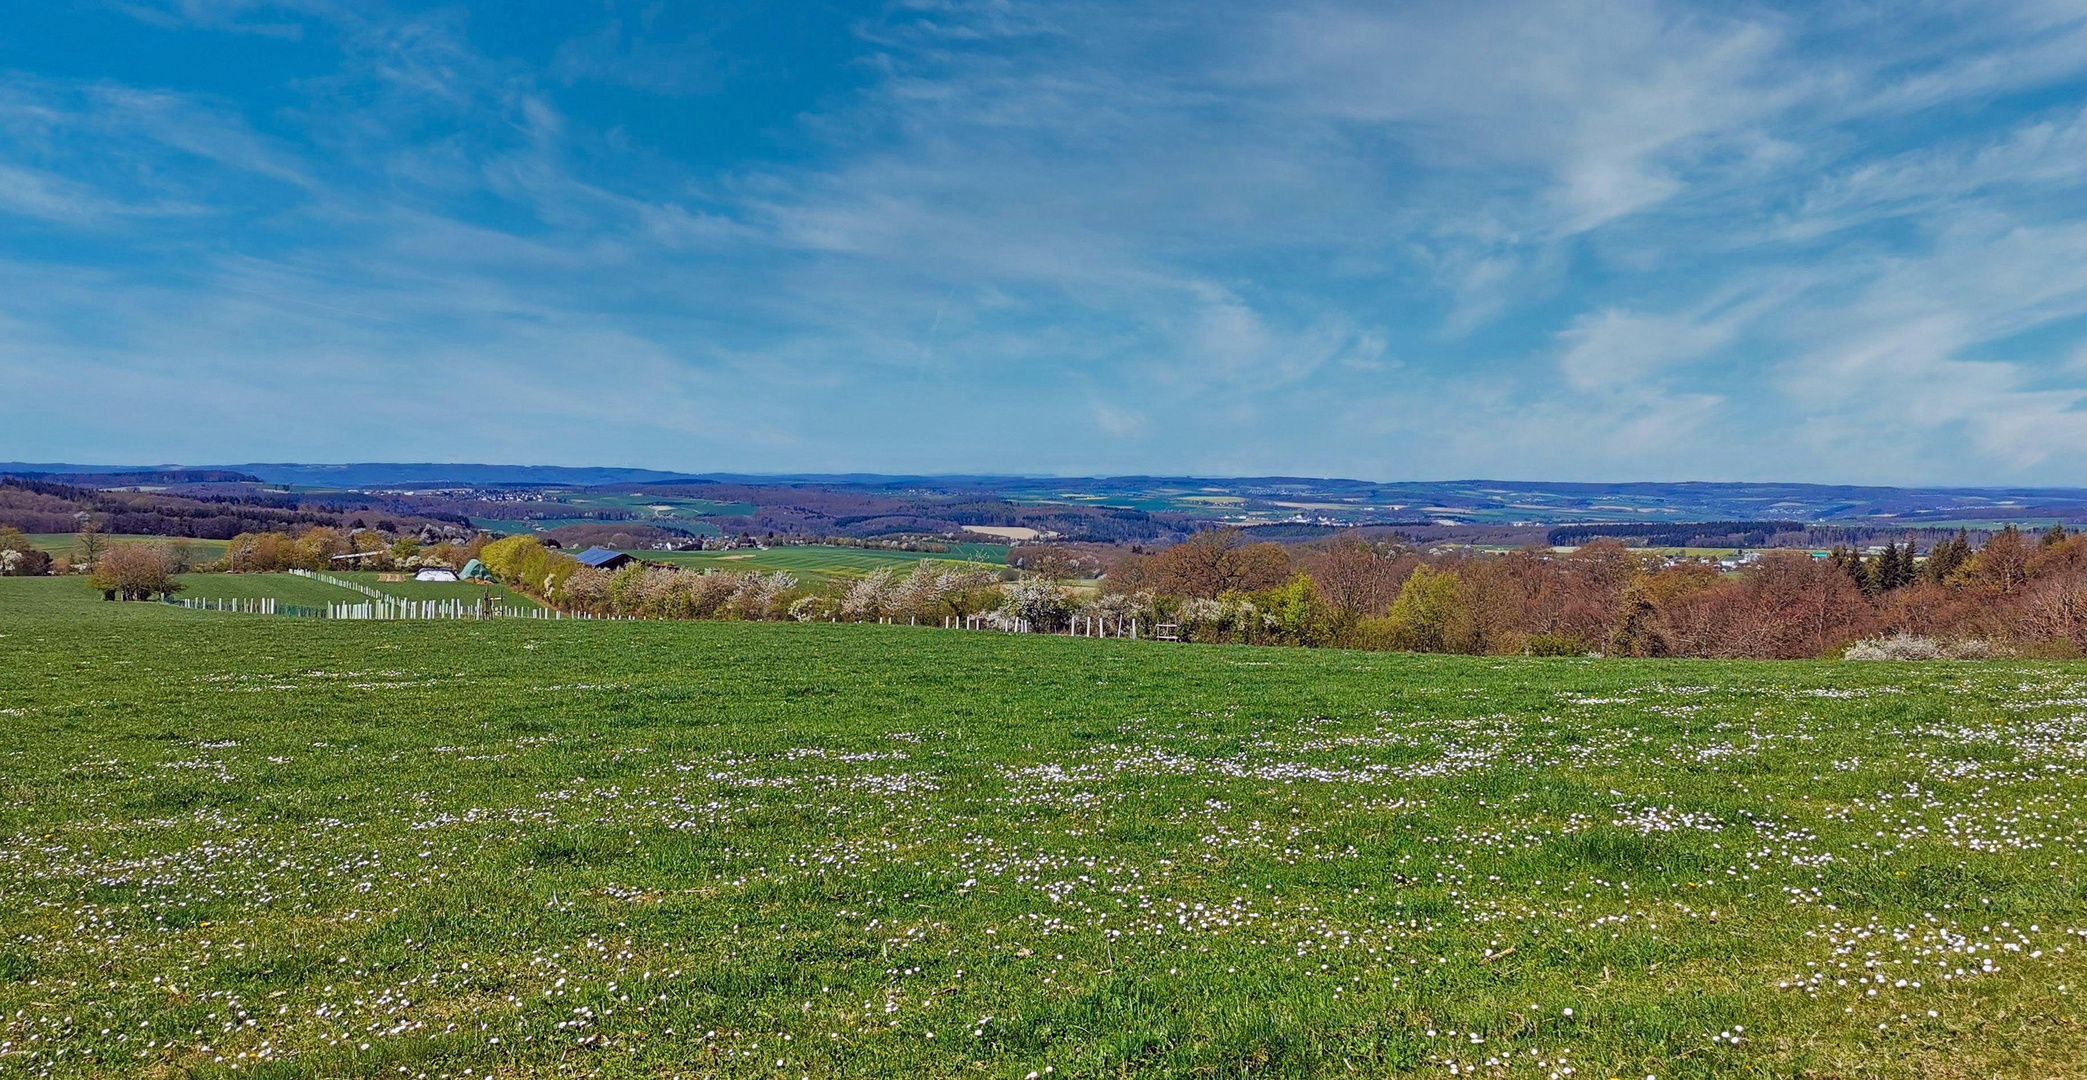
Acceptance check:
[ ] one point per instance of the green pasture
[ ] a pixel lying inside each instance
(648, 505)
(285, 588)
(410, 589)
(69, 543)
(671, 511)
(306, 592)
(252, 846)
(506, 527)
(811, 562)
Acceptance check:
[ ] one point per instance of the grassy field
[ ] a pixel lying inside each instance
(506, 527)
(651, 504)
(68, 543)
(437, 590)
(291, 589)
(249, 846)
(813, 562)
(287, 588)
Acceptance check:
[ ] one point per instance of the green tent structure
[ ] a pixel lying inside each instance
(475, 571)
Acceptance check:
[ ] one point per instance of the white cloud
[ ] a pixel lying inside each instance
(1596, 239)
(1122, 423)
(672, 68)
(1619, 348)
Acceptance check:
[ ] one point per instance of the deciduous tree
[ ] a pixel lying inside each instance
(135, 572)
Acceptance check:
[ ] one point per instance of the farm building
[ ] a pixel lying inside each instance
(603, 559)
(435, 573)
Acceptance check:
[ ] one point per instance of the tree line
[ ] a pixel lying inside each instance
(2014, 594)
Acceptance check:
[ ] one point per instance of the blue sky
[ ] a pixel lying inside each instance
(1612, 240)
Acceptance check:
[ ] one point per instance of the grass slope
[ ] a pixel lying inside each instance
(302, 848)
(816, 561)
(437, 590)
(69, 543)
(287, 588)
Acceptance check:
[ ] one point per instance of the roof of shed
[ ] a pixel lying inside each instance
(599, 556)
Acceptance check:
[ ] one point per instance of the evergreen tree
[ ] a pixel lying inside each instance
(1849, 561)
(2054, 536)
(1899, 562)
(1884, 569)
(1948, 557)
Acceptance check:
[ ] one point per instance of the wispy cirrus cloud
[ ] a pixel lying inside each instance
(1428, 239)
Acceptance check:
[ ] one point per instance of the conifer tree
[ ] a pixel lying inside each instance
(1948, 557)
(1877, 574)
(1900, 563)
(2053, 536)
(1848, 560)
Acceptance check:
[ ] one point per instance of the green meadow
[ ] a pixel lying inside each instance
(285, 588)
(468, 591)
(307, 592)
(813, 562)
(69, 543)
(244, 846)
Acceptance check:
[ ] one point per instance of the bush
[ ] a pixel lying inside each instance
(1296, 615)
(1041, 602)
(136, 572)
(18, 558)
(1915, 647)
(1430, 614)
(1556, 645)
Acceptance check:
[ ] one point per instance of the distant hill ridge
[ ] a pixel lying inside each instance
(931, 502)
(136, 478)
(364, 474)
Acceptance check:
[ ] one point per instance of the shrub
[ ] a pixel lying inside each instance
(18, 558)
(1041, 602)
(135, 572)
(1915, 647)
(1556, 644)
(1430, 614)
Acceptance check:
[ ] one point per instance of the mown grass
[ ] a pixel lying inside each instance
(236, 845)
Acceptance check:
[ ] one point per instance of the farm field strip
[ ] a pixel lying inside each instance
(240, 846)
